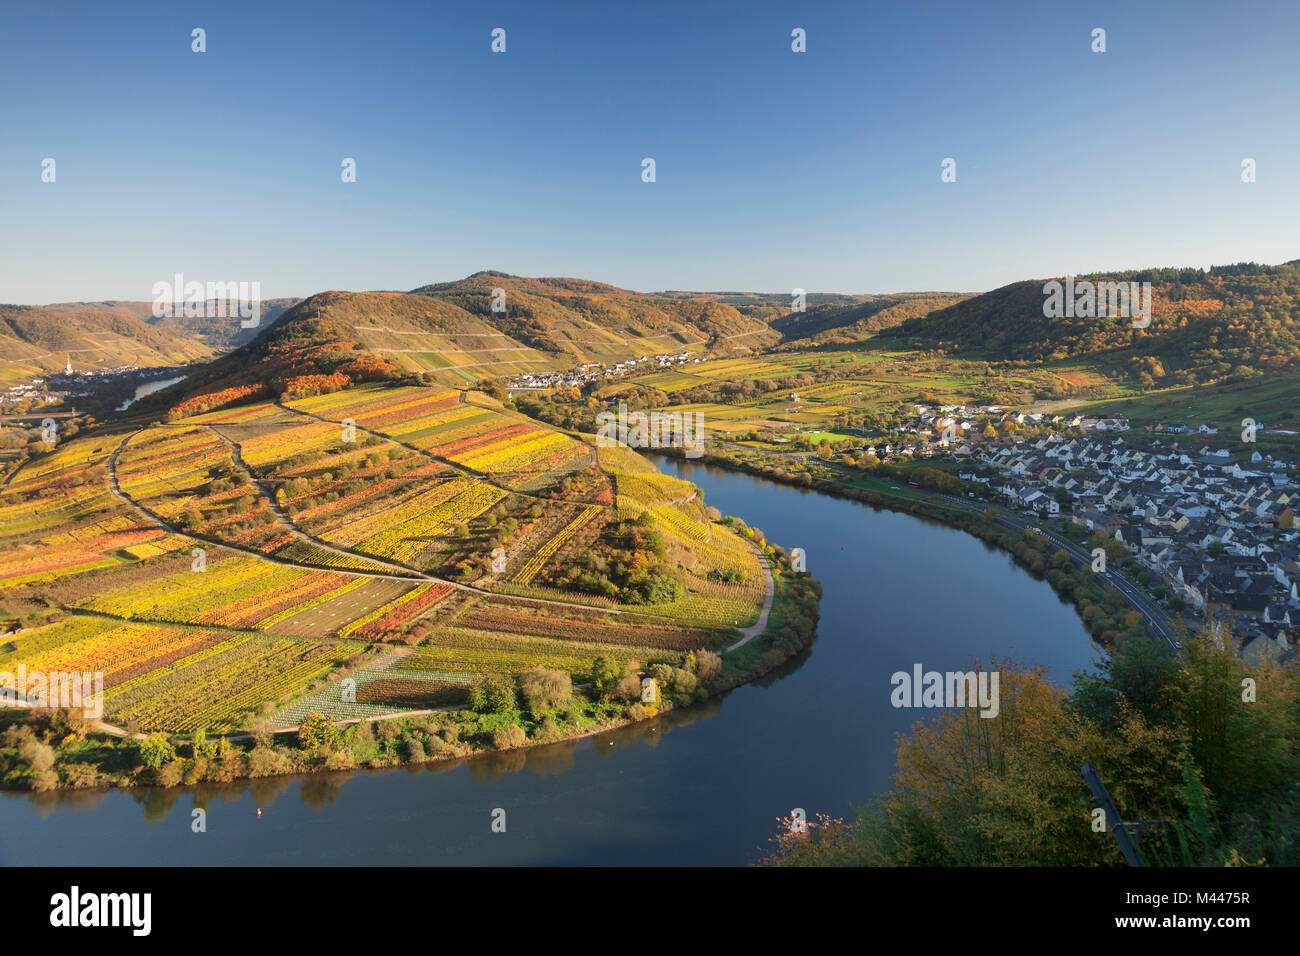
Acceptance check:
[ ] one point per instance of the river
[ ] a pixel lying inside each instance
(148, 388)
(701, 786)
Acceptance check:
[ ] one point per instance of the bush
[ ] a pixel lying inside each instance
(263, 762)
(79, 775)
(493, 695)
(201, 748)
(545, 689)
(605, 675)
(628, 688)
(708, 665)
(684, 682)
(316, 731)
(170, 774)
(156, 751)
(508, 737)
(38, 756)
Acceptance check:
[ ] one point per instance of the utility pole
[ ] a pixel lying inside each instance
(1107, 805)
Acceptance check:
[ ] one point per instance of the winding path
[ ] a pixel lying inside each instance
(408, 575)
(769, 586)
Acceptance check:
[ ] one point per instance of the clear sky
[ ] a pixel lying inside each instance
(775, 169)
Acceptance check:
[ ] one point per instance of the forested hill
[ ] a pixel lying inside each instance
(840, 323)
(450, 333)
(588, 320)
(1234, 320)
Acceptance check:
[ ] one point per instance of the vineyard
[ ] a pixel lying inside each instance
(236, 563)
(543, 554)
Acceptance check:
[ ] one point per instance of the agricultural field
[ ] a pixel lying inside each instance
(506, 449)
(822, 389)
(235, 565)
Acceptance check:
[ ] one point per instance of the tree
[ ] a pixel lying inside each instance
(203, 750)
(317, 730)
(605, 675)
(156, 750)
(495, 694)
(628, 688)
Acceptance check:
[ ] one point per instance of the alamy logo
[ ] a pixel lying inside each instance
(951, 689)
(683, 430)
(1088, 300)
(216, 300)
(103, 909)
(70, 690)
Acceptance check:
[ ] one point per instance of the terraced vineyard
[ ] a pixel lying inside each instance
(241, 563)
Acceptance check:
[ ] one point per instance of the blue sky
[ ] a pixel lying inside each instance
(819, 170)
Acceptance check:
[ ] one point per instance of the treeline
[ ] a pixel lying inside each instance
(1205, 750)
(1228, 324)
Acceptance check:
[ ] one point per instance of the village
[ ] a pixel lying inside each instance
(596, 371)
(1217, 532)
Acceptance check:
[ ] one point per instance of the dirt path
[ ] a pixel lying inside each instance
(287, 523)
(409, 575)
(769, 587)
(152, 518)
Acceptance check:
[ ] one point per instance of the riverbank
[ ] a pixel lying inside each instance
(45, 751)
(699, 785)
(1104, 610)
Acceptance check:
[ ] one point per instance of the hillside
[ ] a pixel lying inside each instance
(215, 330)
(450, 332)
(36, 340)
(592, 321)
(415, 538)
(839, 323)
(1230, 322)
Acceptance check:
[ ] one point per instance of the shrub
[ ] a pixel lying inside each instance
(263, 762)
(493, 695)
(170, 774)
(545, 689)
(317, 731)
(156, 751)
(508, 737)
(38, 756)
(79, 775)
(339, 760)
(628, 688)
(202, 748)
(708, 665)
(684, 681)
